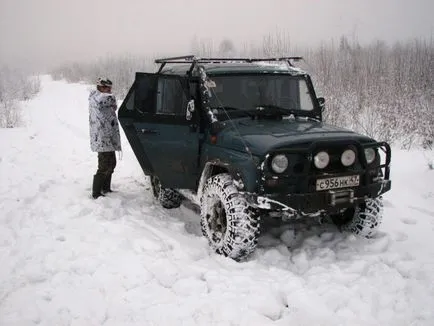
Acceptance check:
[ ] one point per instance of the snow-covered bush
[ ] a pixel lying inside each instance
(10, 114)
(15, 86)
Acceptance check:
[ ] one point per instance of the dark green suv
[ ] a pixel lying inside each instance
(243, 139)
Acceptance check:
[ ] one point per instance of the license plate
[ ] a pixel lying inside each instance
(338, 182)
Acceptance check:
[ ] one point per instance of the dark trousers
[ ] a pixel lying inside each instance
(106, 163)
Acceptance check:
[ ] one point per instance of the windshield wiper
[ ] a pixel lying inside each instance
(266, 108)
(232, 109)
(226, 108)
(262, 108)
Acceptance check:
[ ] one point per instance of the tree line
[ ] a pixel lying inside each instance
(383, 90)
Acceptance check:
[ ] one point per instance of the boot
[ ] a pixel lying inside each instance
(97, 185)
(106, 183)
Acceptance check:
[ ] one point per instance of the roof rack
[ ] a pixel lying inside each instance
(195, 60)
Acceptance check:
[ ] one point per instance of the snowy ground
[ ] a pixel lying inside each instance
(122, 260)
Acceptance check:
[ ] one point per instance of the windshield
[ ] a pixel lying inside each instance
(248, 92)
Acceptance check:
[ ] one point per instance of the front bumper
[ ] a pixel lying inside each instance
(331, 200)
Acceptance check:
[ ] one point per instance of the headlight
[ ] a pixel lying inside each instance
(279, 163)
(348, 157)
(321, 160)
(370, 155)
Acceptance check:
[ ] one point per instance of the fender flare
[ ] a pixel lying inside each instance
(215, 167)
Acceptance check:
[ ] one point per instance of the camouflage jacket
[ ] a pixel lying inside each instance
(103, 122)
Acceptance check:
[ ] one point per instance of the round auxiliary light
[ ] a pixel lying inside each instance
(370, 155)
(348, 157)
(279, 163)
(321, 160)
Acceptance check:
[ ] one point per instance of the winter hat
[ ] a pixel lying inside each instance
(104, 82)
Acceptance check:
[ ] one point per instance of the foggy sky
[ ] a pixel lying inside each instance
(44, 33)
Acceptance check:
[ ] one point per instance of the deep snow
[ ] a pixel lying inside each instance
(123, 260)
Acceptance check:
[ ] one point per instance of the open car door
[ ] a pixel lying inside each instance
(153, 117)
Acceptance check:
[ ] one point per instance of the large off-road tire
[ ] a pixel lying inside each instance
(363, 220)
(229, 223)
(168, 198)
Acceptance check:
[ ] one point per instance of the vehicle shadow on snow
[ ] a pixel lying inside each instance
(274, 232)
(280, 243)
(289, 238)
(270, 228)
(301, 245)
(291, 233)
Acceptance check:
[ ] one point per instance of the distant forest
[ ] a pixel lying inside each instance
(383, 90)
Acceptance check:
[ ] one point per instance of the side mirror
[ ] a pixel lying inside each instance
(190, 110)
(321, 102)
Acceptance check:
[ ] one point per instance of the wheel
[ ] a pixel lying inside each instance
(229, 223)
(364, 220)
(168, 198)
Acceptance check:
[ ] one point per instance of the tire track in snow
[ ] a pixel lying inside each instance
(423, 210)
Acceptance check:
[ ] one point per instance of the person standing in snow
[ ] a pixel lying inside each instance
(104, 134)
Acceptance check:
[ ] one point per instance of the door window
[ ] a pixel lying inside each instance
(171, 98)
(157, 98)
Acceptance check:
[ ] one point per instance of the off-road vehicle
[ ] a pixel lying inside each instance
(243, 139)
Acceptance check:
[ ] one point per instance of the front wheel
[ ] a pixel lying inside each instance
(363, 220)
(229, 223)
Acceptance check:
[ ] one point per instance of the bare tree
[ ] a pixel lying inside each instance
(226, 48)
(203, 47)
(276, 44)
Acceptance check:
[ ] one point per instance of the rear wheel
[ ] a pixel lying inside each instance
(229, 223)
(168, 198)
(363, 220)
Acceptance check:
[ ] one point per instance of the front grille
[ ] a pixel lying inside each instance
(301, 174)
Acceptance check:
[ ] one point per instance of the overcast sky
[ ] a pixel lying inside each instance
(48, 32)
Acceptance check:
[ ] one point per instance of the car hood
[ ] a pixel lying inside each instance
(261, 136)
